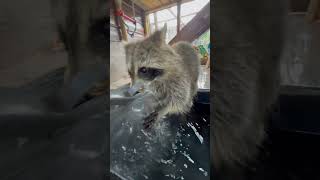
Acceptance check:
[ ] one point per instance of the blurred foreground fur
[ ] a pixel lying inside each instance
(83, 27)
(247, 47)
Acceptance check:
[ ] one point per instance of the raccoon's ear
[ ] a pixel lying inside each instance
(127, 47)
(159, 37)
(125, 43)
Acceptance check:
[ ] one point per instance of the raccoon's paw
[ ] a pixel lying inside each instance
(150, 120)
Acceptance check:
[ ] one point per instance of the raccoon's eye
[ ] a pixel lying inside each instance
(149, 73)
(143, 70)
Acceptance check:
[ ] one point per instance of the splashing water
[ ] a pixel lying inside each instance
(169, 150)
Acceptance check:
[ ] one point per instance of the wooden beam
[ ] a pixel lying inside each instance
(166, 6)
(171, 13)
(171, 19)
(146, 24)
(121, 21)
(116, 21)
(155, 20)
(313, 11)
(197, 26)
(133, 9)
(141, 5)
(208, 63)
(175, 17)
(178, 16)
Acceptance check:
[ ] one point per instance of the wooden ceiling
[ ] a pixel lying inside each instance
(151, 6)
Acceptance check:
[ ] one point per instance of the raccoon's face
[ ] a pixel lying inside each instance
(149, 62)
(145, 66)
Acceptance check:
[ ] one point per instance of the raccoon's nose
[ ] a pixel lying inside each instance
(135, 88)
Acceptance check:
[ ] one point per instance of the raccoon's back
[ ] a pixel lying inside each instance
(190, 58)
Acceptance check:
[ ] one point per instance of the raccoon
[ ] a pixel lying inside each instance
(170, 73)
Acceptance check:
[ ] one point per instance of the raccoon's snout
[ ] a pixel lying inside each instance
(136, 88)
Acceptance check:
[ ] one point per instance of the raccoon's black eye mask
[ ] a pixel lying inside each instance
(149, 74)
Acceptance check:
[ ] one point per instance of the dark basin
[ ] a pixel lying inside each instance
(179, 148)
(298, 110)
(293, 145)
(39, 142)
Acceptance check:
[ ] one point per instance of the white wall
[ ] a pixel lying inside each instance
(118, 67)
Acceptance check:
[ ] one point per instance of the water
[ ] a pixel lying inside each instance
(176, 148)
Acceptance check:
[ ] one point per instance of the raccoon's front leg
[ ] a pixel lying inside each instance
(154, 117)
(150, 120)
(148, 107)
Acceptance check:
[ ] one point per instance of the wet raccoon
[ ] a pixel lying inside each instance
(247, 47)
(169, 73)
